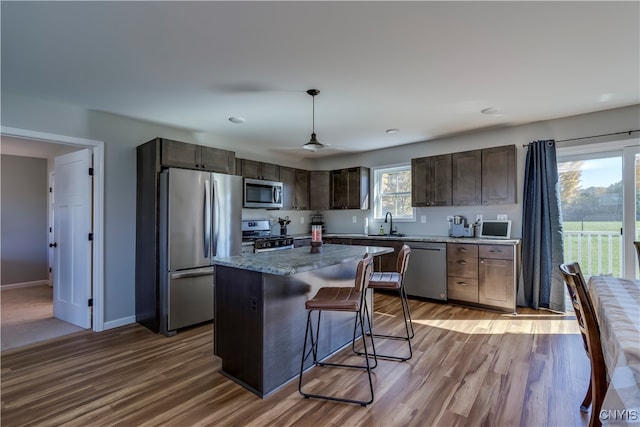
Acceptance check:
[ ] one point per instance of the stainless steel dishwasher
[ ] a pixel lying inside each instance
(426, 274)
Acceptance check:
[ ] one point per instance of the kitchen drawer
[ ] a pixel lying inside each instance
(496, 251)
(457, 250)
(462, 289)
(463, 267)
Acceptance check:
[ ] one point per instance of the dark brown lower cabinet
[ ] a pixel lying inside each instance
(483, 274)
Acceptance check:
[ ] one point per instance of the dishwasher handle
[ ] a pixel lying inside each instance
(206, 271)
(427, 246)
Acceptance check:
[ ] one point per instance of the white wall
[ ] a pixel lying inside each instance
(23, 217)
(621, 119)
(121, 135)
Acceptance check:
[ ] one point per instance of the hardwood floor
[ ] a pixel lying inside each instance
(470, 367)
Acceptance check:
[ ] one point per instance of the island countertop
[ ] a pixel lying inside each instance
(298, 260)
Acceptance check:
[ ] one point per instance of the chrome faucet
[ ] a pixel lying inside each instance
(388, 214)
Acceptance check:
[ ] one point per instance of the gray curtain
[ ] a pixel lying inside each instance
(541, 285)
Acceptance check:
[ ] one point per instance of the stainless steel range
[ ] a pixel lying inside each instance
(258, 231)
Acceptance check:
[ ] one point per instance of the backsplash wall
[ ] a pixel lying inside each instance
(341, 221)
(296, 226)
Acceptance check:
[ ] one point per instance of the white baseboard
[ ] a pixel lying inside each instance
(119, 322)
(25, 284)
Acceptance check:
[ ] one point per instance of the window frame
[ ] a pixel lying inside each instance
(377, 173)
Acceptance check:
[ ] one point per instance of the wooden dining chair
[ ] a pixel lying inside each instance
(588, 324)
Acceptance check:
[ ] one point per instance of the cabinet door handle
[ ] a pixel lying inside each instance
(462, 262)
(461, 283)
(462, 249)
(496, 251)
(481, 261)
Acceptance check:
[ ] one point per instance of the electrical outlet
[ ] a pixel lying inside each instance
(423, 219)
(354, 219)
(301, 220)
(502, 217)
(449, 218)
(478, 217)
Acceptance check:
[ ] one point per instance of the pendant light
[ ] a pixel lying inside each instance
(313, 144)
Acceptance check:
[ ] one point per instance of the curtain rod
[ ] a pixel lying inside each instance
(593, 136)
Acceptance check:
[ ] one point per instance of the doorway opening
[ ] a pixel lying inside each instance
(97, 147)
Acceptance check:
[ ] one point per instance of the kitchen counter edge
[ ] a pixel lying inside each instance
(417, 238)
(298, 260)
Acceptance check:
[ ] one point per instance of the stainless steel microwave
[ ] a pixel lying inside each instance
(262, 194)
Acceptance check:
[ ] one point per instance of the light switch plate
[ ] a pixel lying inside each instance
(354, 219)
(301, 220)
(423, 219)
(502, 217)
(478, 217)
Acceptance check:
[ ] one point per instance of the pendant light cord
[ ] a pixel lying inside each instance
(313, 114)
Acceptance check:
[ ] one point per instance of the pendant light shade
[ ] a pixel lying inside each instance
(313, 144)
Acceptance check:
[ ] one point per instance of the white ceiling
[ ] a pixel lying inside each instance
(426, 68)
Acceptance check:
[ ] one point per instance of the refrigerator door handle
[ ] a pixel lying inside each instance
(206, 271)
(207, 218)
(215, 217)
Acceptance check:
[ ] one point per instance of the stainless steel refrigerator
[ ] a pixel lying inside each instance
(200, 218)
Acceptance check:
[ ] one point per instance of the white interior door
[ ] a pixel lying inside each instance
(72, 247)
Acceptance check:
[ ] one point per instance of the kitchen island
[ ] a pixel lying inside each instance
(259, 313)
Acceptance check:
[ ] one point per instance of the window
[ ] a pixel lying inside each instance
(392, 192)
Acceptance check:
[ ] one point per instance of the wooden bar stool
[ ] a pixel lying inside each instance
(394, 281)
(351, 299)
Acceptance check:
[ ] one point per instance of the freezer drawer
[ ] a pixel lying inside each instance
(426, 274)
(190, 297)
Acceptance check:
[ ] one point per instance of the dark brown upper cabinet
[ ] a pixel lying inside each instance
(431, 181)
(499, 175)
(477, 177)
(319, 190)
(192, 156)
(301, 194)
(350, 188)
(466, 182)
(295, 183)
(260, 170)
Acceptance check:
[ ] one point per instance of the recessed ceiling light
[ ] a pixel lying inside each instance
(491, 111)
(237, 119)
(392, 130)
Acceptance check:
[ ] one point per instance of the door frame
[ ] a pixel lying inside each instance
(50, 224)
(98, 208)
(627, 148)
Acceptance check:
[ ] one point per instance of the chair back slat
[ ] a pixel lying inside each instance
(363, 272)
(403, 259)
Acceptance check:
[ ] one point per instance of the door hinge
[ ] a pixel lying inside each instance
(50, 229)
(90, 236)
(91, 171)
(621, 231)
(49, 269)
(50, 190)
(90, 302)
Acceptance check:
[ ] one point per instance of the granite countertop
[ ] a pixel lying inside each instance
(298, 260)
(416, 238)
